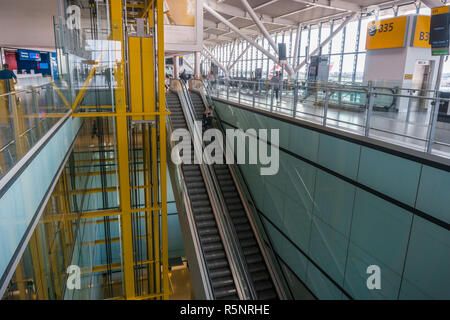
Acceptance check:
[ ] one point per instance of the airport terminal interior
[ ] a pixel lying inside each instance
(224, 150)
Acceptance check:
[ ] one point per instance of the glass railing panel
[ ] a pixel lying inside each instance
(26, 115)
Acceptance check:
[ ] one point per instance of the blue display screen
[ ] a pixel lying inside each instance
(43, 65)
(28, 55)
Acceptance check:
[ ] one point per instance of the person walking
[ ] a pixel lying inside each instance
(275, 81)
(6, 74)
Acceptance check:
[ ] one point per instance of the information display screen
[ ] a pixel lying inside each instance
(28, 55)
(439, 31)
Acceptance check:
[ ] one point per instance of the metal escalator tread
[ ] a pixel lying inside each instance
(221, 278)
(256, 266)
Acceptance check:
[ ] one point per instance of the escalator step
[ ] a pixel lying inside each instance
(263, 285)
(267, 295)
(204, 217)
(262, 275)
(211, 239)
(199, 197)
(217, 264)
(257, 267)
(236, 213)
(197, 191)
(242, 227)
(245, 235)
(208, 231)
(232, 194)
(222, 282)
(200, 203)
(218, 254)
(220, 272)
(213, 247)
(195, 184)
(228, 292)
(250, 250)
(241, 220)
(206, 223)
(256, 258)
(202, 210)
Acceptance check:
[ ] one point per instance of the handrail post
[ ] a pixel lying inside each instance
(433, 121)
(254, 93)
(408, 111)
(325, 108)
(228, 90)
(239, 91)
(271, 100)
(370, 101)
(294, 107)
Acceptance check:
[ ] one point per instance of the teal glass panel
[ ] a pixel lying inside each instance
(334, 202)
(294, 259)
(434, 190)
(356, 276)
(321, 286)
(297, 223)
(394, 176)
(303, 142)
(328, 249)
(381, 229)
(339, 155)
(427, 268)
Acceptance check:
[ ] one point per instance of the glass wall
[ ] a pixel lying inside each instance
(346, 50)
(336, 210)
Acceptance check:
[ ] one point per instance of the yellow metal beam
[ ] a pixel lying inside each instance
(63, 98)
(83, 90)
(122, 154)
(162, 145)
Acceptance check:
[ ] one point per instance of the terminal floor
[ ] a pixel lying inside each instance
(391, 127)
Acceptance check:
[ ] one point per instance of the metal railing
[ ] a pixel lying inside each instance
(401, 116)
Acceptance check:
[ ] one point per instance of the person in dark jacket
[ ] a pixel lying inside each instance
(6, 74)
(207, 119)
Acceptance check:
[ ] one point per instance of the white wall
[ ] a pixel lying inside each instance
(27, 23)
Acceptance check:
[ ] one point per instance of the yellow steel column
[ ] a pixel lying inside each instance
(38, 265)
(20, 281)
(122, 153)
(162, 145)
(148, 203)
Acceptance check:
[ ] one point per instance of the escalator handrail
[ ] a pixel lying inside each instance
(235, 255)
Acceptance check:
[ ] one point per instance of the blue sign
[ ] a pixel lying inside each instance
(28, 55)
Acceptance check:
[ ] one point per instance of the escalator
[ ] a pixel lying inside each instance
(256, 265)
(215, 257)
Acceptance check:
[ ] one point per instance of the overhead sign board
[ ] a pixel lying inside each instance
(439, 30)
(27, 55)
(386, 34)
(421, 32)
